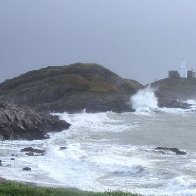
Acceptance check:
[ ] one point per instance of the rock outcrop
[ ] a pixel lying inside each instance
(21, 122)
(174, 150)
(70, 88)
(172, 92)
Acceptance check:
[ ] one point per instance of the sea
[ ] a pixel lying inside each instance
(113, 152)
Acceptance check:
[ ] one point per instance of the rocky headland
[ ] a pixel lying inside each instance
(171, 92)
(71, 88)
(22, 122)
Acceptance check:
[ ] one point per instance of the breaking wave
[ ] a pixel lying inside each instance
(144, 101)
(110, 151)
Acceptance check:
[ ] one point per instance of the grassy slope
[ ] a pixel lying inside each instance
(59, 88)
(16, 189)
(74, 75)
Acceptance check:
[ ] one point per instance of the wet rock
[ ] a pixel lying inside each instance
(63, 147)
(175, 150)
(14, 155)
(1, 163)
(22, 122)
(30, 151)
(30, 154)
(26, 169)
(175, 89)
(172, 104)
(33, 150)
(12, 159)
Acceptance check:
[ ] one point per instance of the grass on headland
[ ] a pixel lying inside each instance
(17, 189)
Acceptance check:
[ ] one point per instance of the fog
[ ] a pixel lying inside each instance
(137, 39)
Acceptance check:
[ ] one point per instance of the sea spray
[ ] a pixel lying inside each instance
(145, 100)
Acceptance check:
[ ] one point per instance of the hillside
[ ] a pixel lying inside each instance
(69, 88)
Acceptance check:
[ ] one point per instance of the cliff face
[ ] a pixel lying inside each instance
(168, 90)
(69, 88)
(21, 122)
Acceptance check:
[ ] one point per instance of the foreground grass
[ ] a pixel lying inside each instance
(16, 189)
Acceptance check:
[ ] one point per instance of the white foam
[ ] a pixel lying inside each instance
(93, 161)
(96, 122)
(144, 101)
(191, 101)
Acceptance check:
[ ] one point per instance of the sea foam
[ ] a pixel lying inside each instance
(144, 101)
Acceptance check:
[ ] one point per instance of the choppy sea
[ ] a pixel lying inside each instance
(110, 151)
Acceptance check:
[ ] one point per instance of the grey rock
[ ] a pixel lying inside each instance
(33, 150)
(22, 122)
(172, 92)
(175, 150)
(63, 148)
(26, 169)
(30, 154)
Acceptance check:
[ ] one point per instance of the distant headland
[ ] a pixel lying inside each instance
(178, 87)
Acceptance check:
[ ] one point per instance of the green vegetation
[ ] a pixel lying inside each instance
(70, 88)
(16, 189)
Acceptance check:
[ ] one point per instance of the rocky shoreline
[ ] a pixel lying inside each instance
(72, 88)
(172, 92)
(22, 122)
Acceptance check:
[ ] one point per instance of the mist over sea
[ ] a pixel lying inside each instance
(110, 151)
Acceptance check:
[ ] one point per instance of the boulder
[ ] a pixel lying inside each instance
(63, 148)
(26, 169)
(33, 150)
(175, 150)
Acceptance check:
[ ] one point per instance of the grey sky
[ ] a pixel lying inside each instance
(138, 39)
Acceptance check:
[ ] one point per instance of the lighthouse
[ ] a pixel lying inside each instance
(183, 69)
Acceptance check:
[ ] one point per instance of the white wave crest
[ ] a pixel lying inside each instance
(144, 101)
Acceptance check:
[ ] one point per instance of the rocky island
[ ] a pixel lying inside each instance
(180, 86)
(171, 92)
(71, 88)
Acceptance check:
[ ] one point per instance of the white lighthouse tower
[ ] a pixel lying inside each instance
(183, 69)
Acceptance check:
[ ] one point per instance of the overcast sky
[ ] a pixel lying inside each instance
(138, 39)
